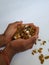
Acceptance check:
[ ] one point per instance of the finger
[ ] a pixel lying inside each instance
(29, 47)
(15, 24)
(29, 24)
(16, 42)
(34, 40)
(13, 32)
(30, 41)
(37, 30)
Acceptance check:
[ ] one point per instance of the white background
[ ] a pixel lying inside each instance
(29, 11)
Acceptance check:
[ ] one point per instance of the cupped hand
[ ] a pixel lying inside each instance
(20, 45)
(11, 29)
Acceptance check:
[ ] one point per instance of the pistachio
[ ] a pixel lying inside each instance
(24, 32)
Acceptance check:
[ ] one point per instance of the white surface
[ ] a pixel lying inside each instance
(36, 11)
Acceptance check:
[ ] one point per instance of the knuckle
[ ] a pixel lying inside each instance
(10, 24)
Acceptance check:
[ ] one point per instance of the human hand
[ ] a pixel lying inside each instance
(11, 29)
(24, 44)
(20, 45)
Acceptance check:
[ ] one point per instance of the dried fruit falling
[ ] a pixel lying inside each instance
(39, 39)
(34, 51)
(37, 50)
(41, 58)
(46, 57)
(40, 50)
(43, 42)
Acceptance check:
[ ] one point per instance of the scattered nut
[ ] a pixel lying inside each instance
(39, 39)
(43, 42)
(46, 57)
(34, 51)
(41, 58)
(40, 50)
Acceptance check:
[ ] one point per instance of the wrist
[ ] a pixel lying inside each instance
(2, 40)
(10, 52)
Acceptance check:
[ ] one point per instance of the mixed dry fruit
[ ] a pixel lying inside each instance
(42, 57)
(24, 31)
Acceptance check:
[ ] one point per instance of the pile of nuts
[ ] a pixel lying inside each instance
(24, 32)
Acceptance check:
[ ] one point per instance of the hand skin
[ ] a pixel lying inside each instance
(2, 40)
(6, 37)
(21, 45)
(16, 46)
